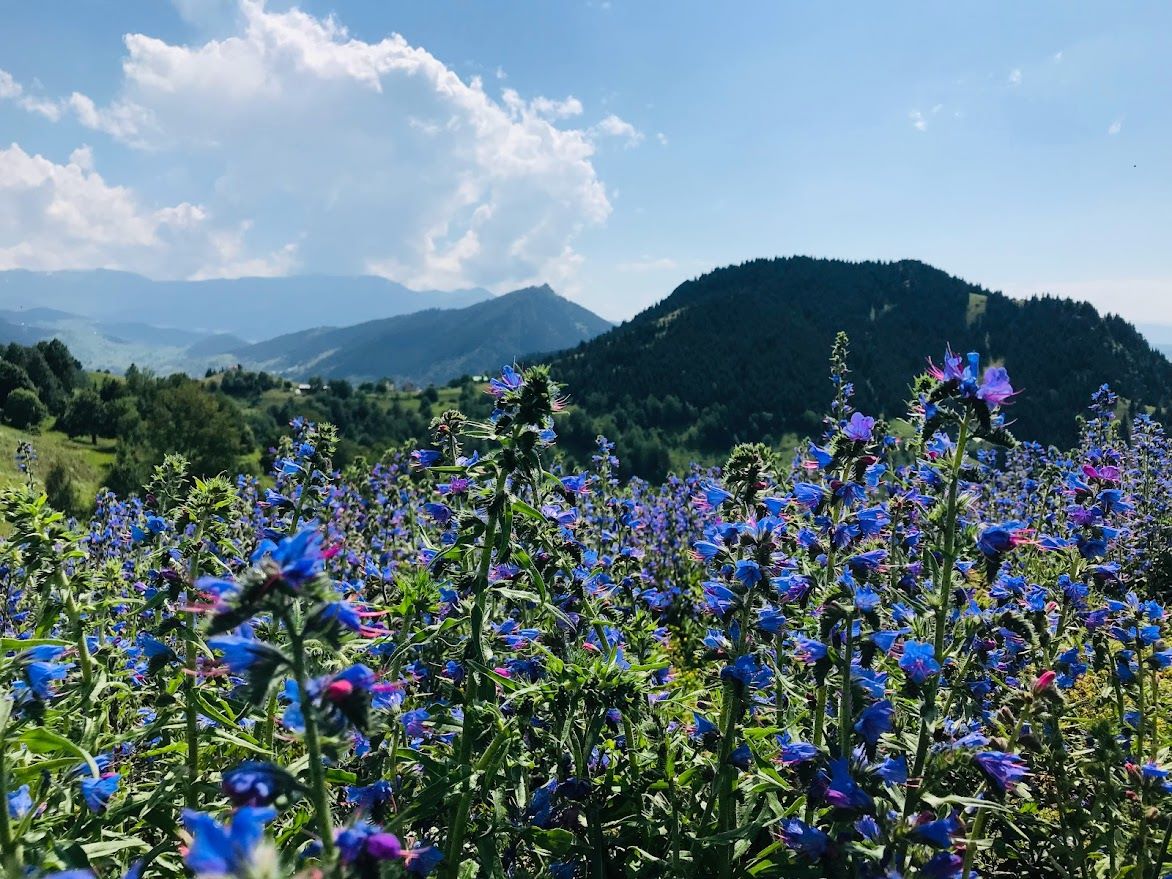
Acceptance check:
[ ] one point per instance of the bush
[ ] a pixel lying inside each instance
(60, 490)
(24, 410)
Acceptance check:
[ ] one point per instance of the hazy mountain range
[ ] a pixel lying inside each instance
(377, 328)
(736, 353)
(251, 308)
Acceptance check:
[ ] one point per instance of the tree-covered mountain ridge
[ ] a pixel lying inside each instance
(740, 354)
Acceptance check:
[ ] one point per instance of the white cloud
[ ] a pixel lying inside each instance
(56, 216)
(12, 90)
(371, 156)
(1115, 127)
(614, 126)
(9, 87)
(1015, 76)
(919, 123)
(661, 137)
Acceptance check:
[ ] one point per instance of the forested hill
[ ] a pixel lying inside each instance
(741, 352)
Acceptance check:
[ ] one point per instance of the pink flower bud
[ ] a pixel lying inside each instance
(1045, 681)
(338, 691)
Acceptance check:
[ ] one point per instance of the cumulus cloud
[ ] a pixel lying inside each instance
(919, 122)
(55, 216)
(367, 156)
(615, 126)
(1015, 76)
(1115, 127)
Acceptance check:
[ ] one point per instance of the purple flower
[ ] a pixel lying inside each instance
(860, 428)
(1004, 769)
(843, 791)
(995, 390)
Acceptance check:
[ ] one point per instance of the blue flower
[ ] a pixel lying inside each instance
(943, 865)
(938, 833)
(372, 795)
(20, 802)
(344, 613)
(747, 672)
(741, 757)
(242, 653)
(221, 850)
(875, 721)
(919, 661)
(422, 860)
(893, 770)
(797, 752)
(41, 676)
(540, 808)
(256, 783)
(97, 791)
(809, 842)
(808, 651)
(424, 458)
(299, 557)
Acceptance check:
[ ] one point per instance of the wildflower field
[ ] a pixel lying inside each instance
(919, 649)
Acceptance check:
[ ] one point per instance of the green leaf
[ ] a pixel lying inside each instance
(42, 741)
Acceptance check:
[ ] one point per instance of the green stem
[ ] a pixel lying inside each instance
(844, 702)
(970, 848)
(317, 780)
(816, 737)
(458, 823)
(83, 647)
(943, 603)
(190, 672)
(6, 845)
(779, 684)
(725, 781)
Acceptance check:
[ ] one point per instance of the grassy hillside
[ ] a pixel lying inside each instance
(85, 463)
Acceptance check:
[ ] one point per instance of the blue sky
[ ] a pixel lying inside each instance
(613, 149)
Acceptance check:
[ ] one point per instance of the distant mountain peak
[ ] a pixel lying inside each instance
(433, 346)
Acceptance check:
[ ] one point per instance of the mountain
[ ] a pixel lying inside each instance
(740, 354)
(251, 308)
(434, 346)
(116, 345)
